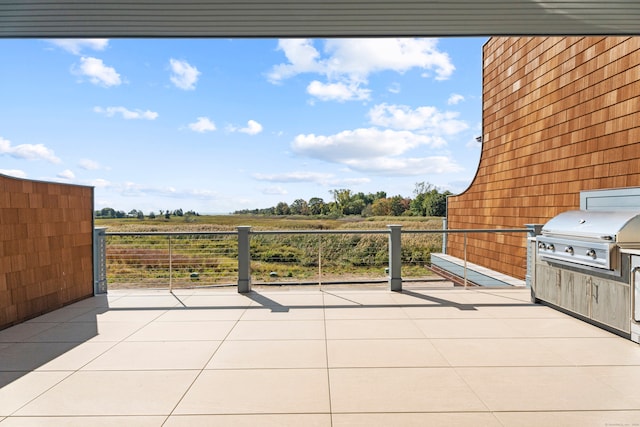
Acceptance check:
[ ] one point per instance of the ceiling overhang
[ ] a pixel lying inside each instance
(315, 18)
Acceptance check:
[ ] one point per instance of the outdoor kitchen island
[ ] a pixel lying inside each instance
(587, 264)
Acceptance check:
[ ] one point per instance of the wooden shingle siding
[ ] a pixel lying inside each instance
(560, 115)
(46, 247)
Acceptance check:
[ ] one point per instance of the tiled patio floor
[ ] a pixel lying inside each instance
(310, 357)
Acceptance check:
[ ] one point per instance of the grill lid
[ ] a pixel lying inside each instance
(613, 226)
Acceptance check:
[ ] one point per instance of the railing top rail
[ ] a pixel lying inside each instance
(265, 232)
(169, 233)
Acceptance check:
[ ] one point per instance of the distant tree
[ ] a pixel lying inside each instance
(299, 207)
(342, 198)
(381, 207)
(108, 213)
(317, 206)
(120, 214)
(282, 208)
(152, 215)
(436, 204)
(140, 215)
(178, 212)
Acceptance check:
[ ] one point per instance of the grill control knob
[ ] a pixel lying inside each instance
(551, 247)
(541, 245)
(591, 253)
(569, 250)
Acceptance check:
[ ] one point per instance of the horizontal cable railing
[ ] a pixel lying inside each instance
(191, 259)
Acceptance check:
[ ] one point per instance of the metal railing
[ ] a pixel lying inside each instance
(245, 257)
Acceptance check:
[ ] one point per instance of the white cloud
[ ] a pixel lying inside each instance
(455, 98)
(126, 113)
(405, 166)
(326, 179)
(474, 143)
(28, 151)
(252, 128)
(294, 177)
(395, 87)
(274, 191)
(90, 165)
(100, 183)
(75, 46)
(337, 91)
(425, 119)
(347, 63)
(66, 174)
(17, 173)
(361, 144)
(97, 72)
(184, 75)
(202, 124)
(302, 56)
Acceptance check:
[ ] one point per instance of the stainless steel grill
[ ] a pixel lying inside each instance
(589, 239)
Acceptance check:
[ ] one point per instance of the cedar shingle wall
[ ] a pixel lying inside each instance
(46, 249)
(560, 115)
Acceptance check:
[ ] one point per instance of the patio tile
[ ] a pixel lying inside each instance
(213, 300)
(383, 353)
(309, 299)
(473, 419)
(288, 313)
(155, 355)
(31, 356)
(112, 393)
(623, 379)
(365, 313)
(569, 419)
(23, 331)
(63, 314)
(524, 311)
(85, 331)
(270, 354)
(119, 315)
(76, 357)
(371, 329)
(556, 328)
(611, 350)
(436, 311)
(147, 301)
(401, 390)
(466, 328)
(263, 420)
(183, 331)
(278, 330)
(200, 314)
(543, 389)
(499, 352)
(257, 391)
(97, 421)
(19, 388)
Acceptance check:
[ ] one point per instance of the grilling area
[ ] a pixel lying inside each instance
(587, 261)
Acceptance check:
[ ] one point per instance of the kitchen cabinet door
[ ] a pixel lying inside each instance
(610, 303)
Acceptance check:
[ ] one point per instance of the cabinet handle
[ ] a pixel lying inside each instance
(597, 292)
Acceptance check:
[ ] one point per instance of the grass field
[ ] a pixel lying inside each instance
(135, 261)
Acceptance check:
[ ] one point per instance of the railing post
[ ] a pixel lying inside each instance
(244, 260)
(534, 230)
(395, 258)
(445, 236)
(99, 260)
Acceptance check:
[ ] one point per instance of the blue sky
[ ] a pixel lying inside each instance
(217, 125)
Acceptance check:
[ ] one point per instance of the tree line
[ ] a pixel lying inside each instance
(427, 201)
(134, 213)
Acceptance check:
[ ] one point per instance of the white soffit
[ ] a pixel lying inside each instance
(315, 18)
